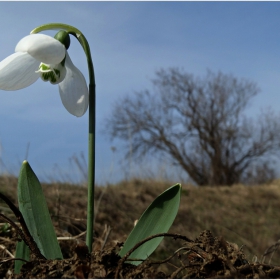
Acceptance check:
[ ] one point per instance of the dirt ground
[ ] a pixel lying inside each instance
(180, 256)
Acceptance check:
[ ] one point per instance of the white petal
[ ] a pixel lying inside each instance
(73, 90)
(18, 71)
(42, 47)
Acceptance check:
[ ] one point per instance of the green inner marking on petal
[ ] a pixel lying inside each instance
(49, 74)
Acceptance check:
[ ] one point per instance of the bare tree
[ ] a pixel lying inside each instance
(199, 124)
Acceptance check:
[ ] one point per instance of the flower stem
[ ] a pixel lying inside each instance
(92, 116)
(91, 167)
(91, 141)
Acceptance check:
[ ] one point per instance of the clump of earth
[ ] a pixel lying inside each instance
(206, 256)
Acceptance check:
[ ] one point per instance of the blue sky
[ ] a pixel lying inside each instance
(129, 41)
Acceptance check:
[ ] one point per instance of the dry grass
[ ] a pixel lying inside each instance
(243, 215)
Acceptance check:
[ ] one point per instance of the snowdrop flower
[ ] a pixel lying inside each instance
(39, 55)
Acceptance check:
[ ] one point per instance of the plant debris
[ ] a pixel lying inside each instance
(206, 254)
(205, 257)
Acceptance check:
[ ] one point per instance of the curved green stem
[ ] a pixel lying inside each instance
(92, 108)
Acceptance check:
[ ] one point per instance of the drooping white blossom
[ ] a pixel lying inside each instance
(40, 55)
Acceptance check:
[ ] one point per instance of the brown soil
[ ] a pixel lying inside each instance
(179, 256)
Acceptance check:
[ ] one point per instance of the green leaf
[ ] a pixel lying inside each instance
(157, 218)
(22, 252)
(33, 206)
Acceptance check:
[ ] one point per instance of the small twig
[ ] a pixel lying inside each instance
(169, 258)
(2, 224)
(71, 237)
(125, 257)
(67, 221)
(14, 259)
(108, 231)
(98, 202)
(24, 233)
(68, 218)
(6, 239)
(26, 238)
(7, 251)
(271, 250)
(17, 228)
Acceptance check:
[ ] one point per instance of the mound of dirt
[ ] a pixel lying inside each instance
(206, 256)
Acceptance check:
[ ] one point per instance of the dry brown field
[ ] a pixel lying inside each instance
(245, 218)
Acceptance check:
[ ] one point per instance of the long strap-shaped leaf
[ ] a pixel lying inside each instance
(33, 206)
(22, 252)
(157, 218)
